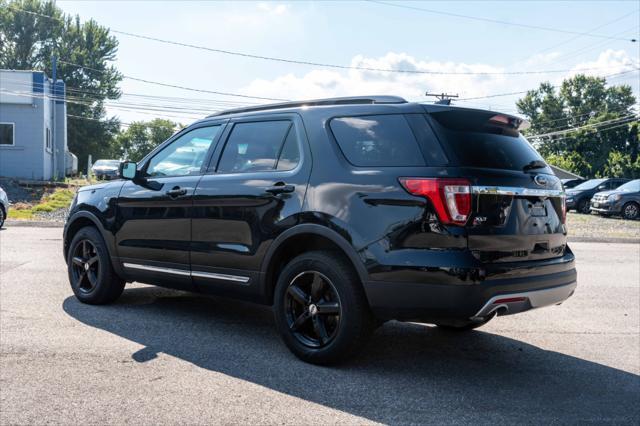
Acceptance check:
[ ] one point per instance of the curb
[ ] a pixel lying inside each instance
(58, 224)
(33, 223)
(613, 240)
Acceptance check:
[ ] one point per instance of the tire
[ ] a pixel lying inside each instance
(3, 216)
(320, 308)
(631, 210)
(458, 326)
(583, 207)
(91, 275)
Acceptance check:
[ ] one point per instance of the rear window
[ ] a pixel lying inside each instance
(477, 143)
(377, 141)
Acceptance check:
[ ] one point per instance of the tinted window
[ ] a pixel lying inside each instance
(6, 134)
(377, 140)
(253, 147)
(477, 142)
(429, 144)
(185, 155)
(290, 154)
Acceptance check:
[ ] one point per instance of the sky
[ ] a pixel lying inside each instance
(361, 34)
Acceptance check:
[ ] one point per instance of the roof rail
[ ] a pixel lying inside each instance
(352, 100)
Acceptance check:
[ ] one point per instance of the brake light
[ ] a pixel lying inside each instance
(451, 198)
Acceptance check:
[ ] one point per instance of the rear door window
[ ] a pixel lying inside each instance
(255, 147)
(377, 140)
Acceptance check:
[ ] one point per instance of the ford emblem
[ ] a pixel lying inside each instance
(541, 180)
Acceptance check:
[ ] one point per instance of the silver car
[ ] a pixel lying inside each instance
(4, 206)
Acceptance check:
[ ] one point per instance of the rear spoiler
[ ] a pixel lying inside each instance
(470, 118)
(511, 120)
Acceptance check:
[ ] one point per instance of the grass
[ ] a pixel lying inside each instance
(56, 200)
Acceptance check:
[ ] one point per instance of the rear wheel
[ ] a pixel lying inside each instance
(320, 308)
(631, 211)
(583, 207)
(91, 275)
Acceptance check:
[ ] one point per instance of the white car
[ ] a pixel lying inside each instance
(4, 206)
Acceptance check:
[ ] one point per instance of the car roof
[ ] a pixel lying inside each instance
(356, 102)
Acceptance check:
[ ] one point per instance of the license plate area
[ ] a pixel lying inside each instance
(537, 209)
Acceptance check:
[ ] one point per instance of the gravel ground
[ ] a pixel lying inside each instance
(59, 215)
(585, 226)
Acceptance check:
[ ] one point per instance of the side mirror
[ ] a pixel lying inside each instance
(128, 170)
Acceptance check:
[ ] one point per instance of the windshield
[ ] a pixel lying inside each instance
(103, 163)
(633, 186)
(590, 184)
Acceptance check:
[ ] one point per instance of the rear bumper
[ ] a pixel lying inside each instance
(530, 284)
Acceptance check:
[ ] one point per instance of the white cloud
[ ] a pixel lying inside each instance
(275, 9)
(327, 82)
(609, 62)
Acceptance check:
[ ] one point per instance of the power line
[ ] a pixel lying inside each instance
(626, 119)
(310, 63)
(497, 21)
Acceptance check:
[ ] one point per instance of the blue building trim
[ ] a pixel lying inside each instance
(58, 92)
(38, 82)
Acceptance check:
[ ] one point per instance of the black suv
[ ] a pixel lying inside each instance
(341, 213)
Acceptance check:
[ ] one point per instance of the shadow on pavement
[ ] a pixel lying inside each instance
(409, 373)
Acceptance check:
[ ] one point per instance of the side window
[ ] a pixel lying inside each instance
(185, 155)
(290, 153)
(253, 147)
(377, 140)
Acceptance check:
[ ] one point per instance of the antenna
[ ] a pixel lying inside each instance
(443, 98)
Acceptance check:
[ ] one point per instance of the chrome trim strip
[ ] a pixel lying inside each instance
(534, 298)
(182, 272)
(157, 269)
(512, 190)
(216, 276)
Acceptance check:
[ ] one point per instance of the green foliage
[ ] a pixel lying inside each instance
(580, 101)
(28, 41)
(621, 165)
(141, 137)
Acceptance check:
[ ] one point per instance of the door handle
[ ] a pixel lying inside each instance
(176, 192)
(280, 188)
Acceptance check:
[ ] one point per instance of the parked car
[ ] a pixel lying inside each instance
(105, 169)
(4, 206)
(579, 197)
(623, 201)
(340, 213)
(571, 183)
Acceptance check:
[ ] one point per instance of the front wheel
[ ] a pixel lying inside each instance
(584, 207)
(2, 216)
(91, 275)
(320, 308)
(631, 211)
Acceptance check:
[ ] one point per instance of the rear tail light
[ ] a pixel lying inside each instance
(451, 198)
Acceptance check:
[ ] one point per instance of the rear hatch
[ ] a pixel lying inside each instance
(517, 210)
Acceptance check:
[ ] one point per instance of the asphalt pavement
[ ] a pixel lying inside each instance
(165, 357)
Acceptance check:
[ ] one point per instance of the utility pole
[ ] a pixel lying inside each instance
(54, 146)
(443, 98)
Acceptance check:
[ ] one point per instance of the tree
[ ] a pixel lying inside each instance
(580, 101)
(141, 137)
(29, 40)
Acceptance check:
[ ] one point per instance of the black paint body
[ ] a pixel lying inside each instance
(411, 266)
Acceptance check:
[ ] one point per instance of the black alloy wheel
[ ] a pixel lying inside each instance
(313, 309)
(630, 211)
(320, 308)
(85, 266)
(91, 274)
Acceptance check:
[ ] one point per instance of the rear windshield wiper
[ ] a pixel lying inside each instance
(535, 164)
